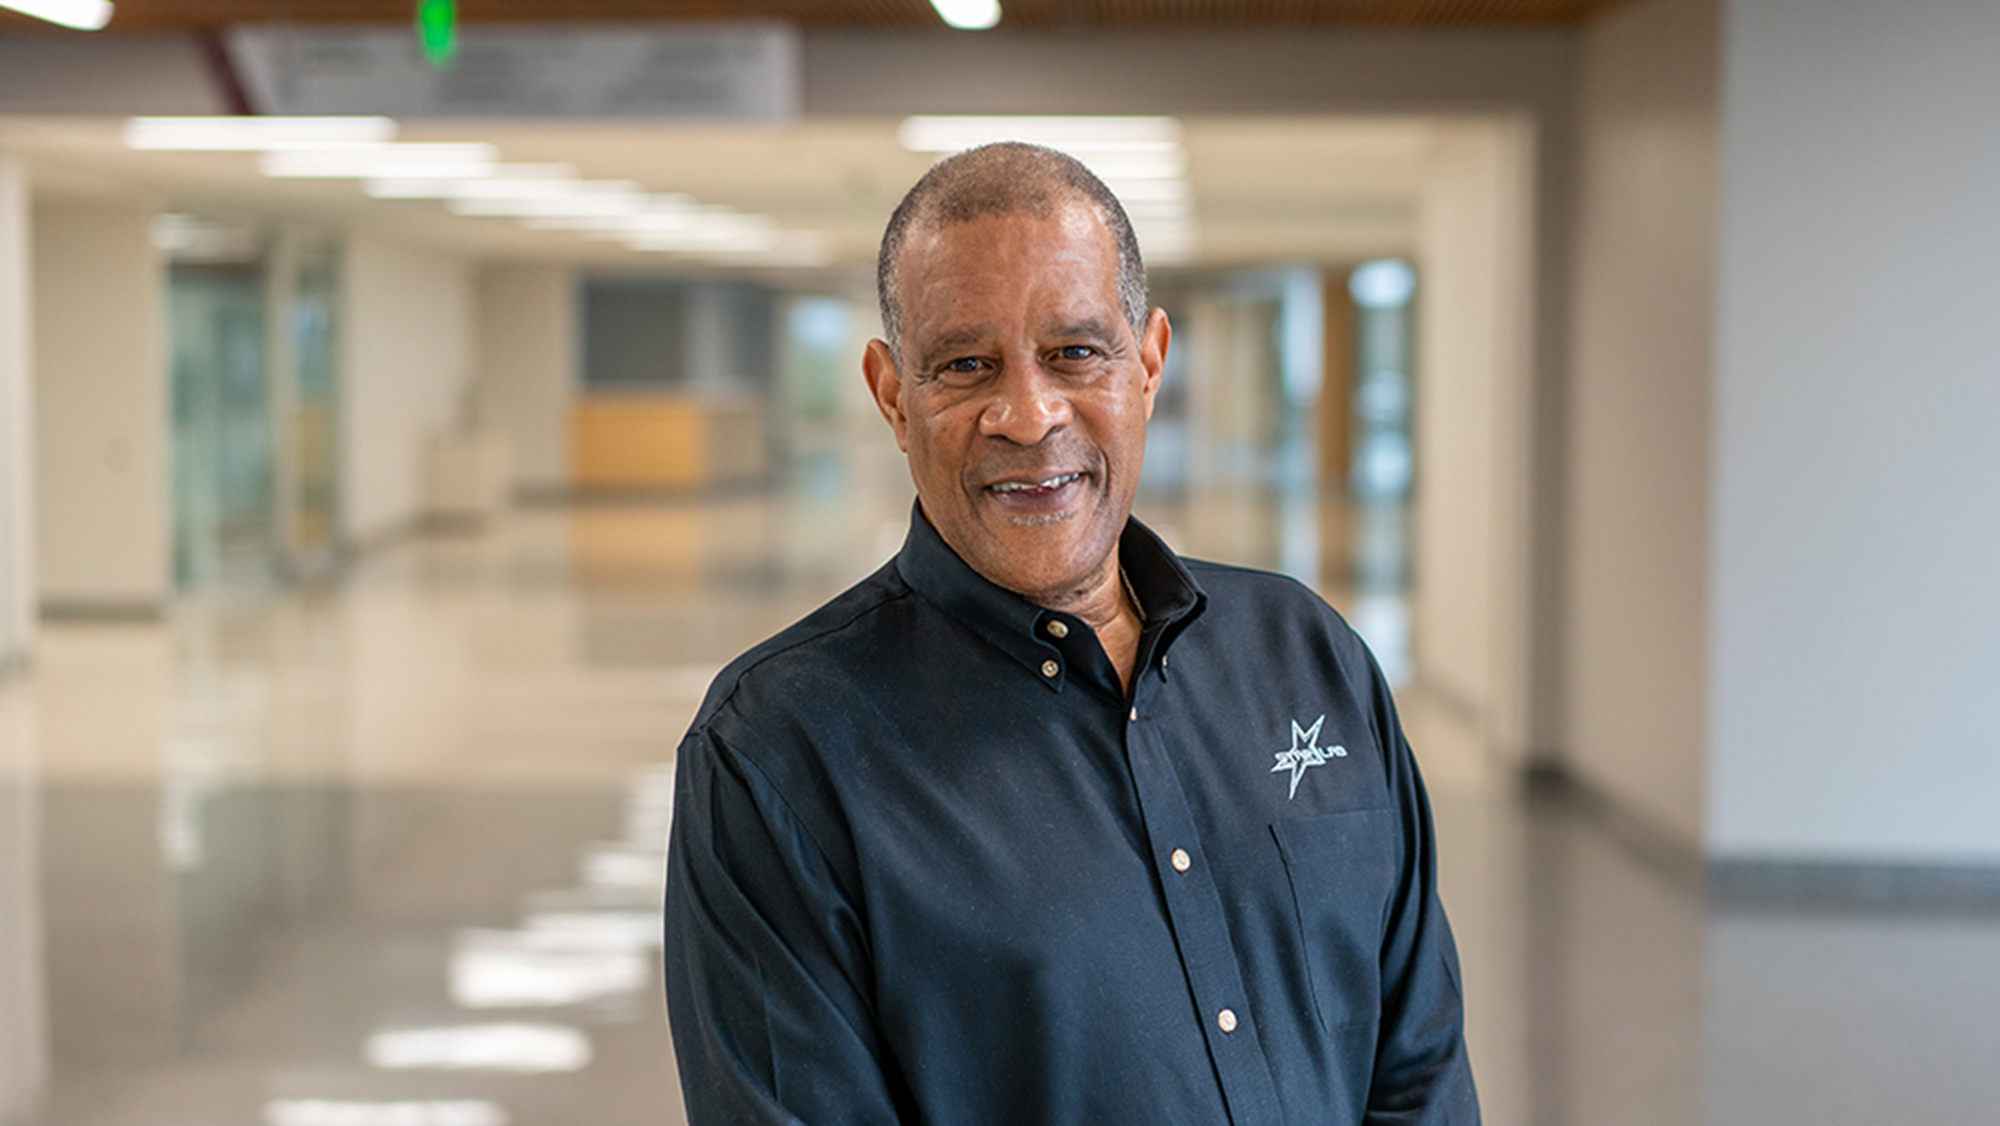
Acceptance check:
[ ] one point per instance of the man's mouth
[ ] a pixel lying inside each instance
(1035, 488)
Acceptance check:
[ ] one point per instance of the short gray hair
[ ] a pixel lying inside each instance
(1005, 178)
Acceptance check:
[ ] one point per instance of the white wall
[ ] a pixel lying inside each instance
(1472, 387)
(1636, 599)
(526, 367)
(1854, 619)
(17, 554)
(101, 408)
(405, 363)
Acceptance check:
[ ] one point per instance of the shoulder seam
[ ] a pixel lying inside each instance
(737, 683)
(746, 763)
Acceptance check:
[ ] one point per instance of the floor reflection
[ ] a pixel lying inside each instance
(390, 853)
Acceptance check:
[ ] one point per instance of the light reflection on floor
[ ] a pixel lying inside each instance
(389, 853)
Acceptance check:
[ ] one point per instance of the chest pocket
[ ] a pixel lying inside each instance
(1342, 868)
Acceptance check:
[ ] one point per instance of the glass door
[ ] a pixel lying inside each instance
(223, 526)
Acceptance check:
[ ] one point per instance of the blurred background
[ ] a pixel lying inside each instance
(406, 408)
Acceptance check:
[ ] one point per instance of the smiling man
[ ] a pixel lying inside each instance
(1041, 823)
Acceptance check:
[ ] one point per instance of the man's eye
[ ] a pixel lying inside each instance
(1075, 352)
(961, 370)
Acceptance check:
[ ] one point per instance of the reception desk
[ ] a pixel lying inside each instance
(656, 442)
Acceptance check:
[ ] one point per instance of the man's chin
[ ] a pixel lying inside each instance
(1041, 519)
(1041, 556)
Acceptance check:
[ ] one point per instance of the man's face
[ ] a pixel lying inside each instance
(1021, 396)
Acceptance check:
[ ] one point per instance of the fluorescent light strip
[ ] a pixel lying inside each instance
(83, 15)
(691, 243)
(257, 134)
(968, 15)
(662, 212)
(522, 179)
(1112, 169)
(1149, 191)
(543, 187)
(815, 249)
(400, 162)
(798, 248)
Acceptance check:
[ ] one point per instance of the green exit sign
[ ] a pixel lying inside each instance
(437, 30)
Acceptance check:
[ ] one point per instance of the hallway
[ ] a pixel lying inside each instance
(388, 852)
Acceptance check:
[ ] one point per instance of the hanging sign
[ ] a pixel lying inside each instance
(437, 30)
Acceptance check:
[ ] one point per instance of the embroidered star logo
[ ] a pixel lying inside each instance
(1305, 752)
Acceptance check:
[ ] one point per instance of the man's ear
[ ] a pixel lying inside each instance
(885, 383)
(1153, 354)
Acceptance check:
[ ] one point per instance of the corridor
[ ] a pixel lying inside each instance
(388, 851)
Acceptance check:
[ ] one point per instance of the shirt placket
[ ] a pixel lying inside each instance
(1194, 909)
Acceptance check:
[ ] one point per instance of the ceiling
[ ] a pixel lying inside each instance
(140, 15)
(1265, 189)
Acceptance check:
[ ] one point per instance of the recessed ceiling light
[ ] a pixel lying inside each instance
(83, 15)
(968, 15)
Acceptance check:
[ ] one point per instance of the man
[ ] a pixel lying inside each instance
(1040, 823)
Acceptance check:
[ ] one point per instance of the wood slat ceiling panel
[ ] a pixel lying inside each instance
(137, 15)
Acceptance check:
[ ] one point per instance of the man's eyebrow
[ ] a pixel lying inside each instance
(1090, 328)
(955, 339)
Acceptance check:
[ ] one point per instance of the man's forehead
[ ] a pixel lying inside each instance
(1077, 222)
(1044, 289)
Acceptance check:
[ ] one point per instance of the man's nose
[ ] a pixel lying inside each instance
(1026, 405)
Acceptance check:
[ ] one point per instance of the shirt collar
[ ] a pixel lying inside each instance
(1018, 627)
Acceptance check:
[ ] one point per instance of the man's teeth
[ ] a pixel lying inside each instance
(1036, 486)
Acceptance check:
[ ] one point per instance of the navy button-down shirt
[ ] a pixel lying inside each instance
(931, 863)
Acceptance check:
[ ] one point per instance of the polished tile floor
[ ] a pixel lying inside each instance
(387, 853)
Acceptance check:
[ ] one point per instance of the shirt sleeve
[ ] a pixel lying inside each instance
(767, 979)
(1422, 1076)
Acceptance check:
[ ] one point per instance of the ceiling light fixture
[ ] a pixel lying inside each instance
(83, 15)
(257, 134)
(385, 162)
(1141, 159)
(612, 204)
(968, 15)
(773, 248)
(521, 179)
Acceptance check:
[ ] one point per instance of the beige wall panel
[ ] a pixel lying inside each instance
(406, 360)
(1471, 544)
(526, 367)
(1636, 602)
(102, 461)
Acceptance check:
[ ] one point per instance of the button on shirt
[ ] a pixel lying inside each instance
(932, 863)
